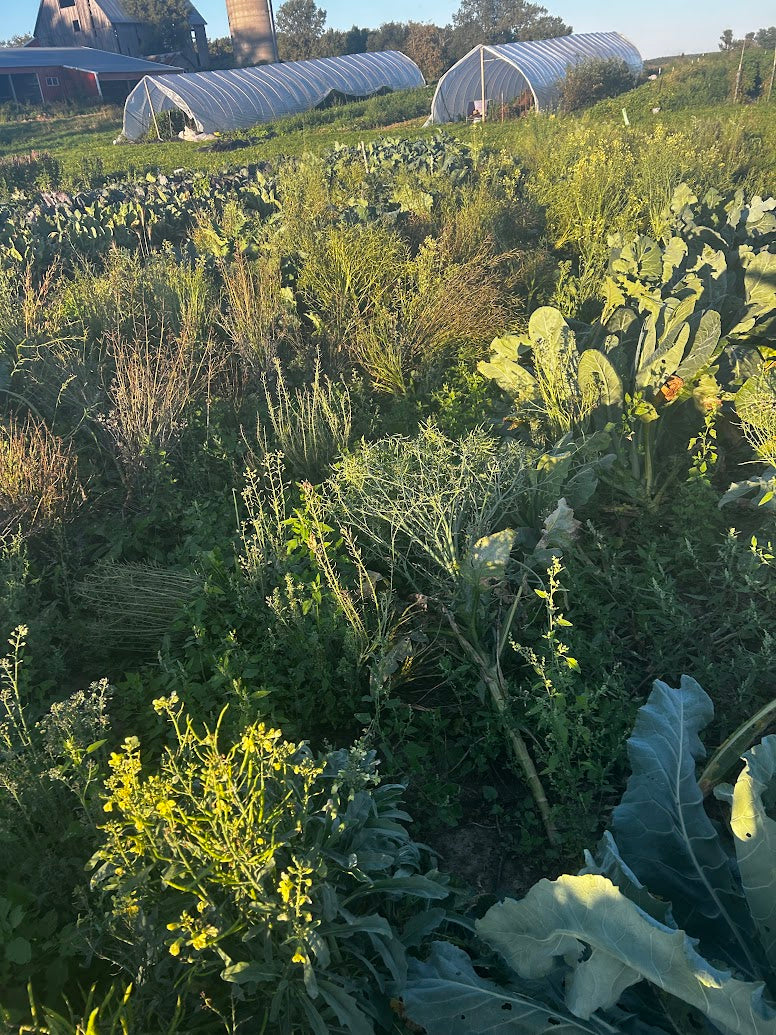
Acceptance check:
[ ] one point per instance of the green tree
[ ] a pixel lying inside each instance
(16, 41)
(502, 21)
(337, 41)
(390, 36)
(726, 41)
(426, 45)
(766, 37)
(166, 21)
(221, 52)
(299, 26)
(592, 81)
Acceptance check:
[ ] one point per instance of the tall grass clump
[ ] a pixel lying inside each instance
(39, 484)
(153, 384)
(349, 273)
(439, 304)
(311, 425)
(257, 314)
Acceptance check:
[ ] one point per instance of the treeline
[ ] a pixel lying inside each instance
(762, 37)
(302, 34)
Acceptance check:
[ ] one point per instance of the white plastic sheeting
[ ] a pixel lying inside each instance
(242, 97)
(511, 69)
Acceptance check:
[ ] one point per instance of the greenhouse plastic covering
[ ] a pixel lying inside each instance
(511, 69)
(241, 97)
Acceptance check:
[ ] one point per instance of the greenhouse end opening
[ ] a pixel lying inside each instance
(529, 75)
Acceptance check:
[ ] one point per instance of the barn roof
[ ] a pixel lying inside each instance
(85, 58)
(114, 10)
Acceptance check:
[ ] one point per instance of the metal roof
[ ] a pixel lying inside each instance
(84, 58)
(118, 15)
(113, 10)
(510, 68)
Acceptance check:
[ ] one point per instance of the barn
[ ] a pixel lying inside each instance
(105, 25)
(35, 75)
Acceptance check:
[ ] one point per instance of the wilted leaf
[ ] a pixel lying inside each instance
(489, 557)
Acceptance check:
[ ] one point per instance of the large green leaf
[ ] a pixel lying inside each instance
(664, 360)
(600, 384)
(610, 944)
(664, 834)
(504, 368)
(488, 557)
(609, 863)
(448, 997)
(760, 282)
(548, 326)
(705, 346)
(755, 838)
(673, 256)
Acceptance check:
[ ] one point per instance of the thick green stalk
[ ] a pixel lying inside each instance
(491, 677)
(729, 753)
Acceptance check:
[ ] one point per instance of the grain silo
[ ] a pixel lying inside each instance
(252, 28)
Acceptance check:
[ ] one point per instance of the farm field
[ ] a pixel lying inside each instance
(362, 487)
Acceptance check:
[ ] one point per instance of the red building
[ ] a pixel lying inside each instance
(35, 75)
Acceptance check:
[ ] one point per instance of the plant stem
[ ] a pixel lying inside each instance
(648, 460)
(494, 682)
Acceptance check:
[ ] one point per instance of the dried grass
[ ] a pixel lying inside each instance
(39, 485)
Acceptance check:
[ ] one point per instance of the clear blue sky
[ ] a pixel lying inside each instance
(657, 27)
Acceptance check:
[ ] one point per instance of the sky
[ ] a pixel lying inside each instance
(658, 27)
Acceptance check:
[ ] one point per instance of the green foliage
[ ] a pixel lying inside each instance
(669, 311)
(124, 214)
(299, 25)
(336, 300)
(165, 23)
(503, 22)
(49, 764)
(443, 517)
(311, 428)
(591, 81)
(665, 875)
(284, 876)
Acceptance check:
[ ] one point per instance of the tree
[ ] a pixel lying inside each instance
(502, 21)
(299, 26)
(390, 36)
(592, 81)
(166, 23)
(425, 44)
(16, 41)
(766, 37)
(726, 41)
(221, 52)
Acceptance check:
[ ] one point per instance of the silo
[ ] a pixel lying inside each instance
(252, 28)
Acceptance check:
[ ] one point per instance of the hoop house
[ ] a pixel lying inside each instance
(242, 97)
(533, 70)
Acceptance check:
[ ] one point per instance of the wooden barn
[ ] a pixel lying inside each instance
(105, 25)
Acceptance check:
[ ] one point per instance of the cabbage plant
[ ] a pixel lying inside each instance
(671, 899)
